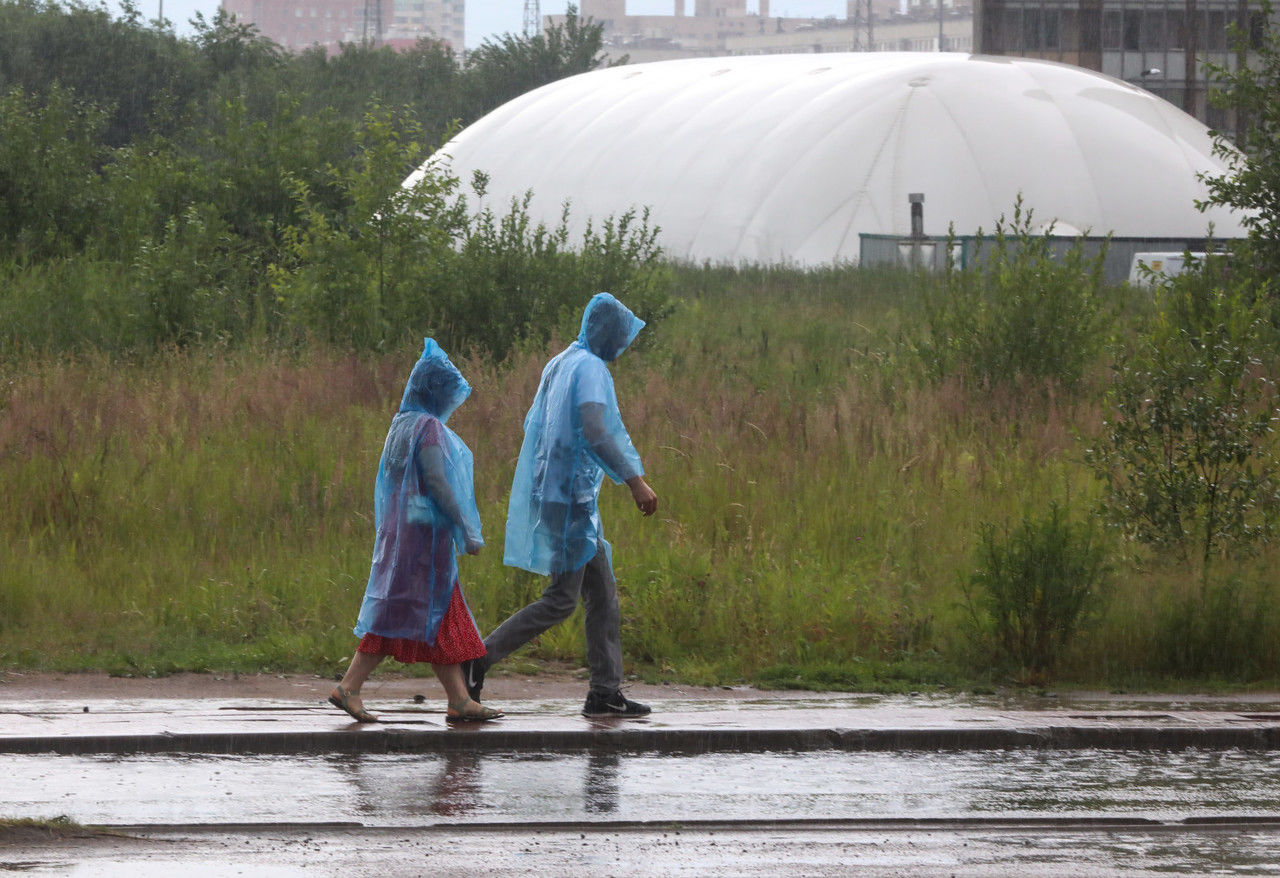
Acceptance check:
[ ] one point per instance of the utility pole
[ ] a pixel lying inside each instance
(532, 19)
(940, 21)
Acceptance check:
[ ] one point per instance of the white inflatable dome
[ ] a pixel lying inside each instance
(791, 157)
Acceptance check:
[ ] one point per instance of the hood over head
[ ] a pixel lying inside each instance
(608, 327)
(435, 385)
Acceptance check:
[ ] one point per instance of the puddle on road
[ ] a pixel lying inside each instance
(404, 790)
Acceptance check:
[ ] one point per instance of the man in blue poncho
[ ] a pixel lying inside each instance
(573, 437)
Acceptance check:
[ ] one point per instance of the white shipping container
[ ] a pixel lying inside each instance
(1161, 264)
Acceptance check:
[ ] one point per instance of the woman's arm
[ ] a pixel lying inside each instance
(432, 474)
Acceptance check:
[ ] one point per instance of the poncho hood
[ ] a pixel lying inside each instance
(435, 385)
(608, 327)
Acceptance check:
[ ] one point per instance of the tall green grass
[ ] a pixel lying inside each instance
(820, 505)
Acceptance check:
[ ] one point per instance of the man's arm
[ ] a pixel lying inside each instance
(646, 499)
(606, 450)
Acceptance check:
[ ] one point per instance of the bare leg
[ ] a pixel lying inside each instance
(362, 665)
(461, 705)
(450, 677)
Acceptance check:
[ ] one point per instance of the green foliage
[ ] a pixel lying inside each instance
(371, 271)
(1018, 313)
(1251, 183)
(402, 262)
(511, 65)
(1187, 453)
(143, 76)
(49, 186)
(898, 677)
(1221, 630)
(207, 507)
(519, 282)
(248, 193)
(1038, 585)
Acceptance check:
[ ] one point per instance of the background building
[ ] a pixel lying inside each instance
(444, 20)
(706, 28)
(1157, 44)
(300, 24)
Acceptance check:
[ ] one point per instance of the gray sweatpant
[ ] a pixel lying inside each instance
(599, 591)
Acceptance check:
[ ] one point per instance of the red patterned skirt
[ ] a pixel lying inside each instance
(456, 641)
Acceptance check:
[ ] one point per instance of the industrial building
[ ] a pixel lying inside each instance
(710, 28)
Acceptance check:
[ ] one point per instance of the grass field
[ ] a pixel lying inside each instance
(210, 509)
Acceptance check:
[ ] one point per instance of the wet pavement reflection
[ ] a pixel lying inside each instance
(413, 790)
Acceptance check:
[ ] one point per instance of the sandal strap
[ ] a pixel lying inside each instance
(458, 708)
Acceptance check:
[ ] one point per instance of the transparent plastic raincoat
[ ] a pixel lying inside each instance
(573, 437)
(424, 507)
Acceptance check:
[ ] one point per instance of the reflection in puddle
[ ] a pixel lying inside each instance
(417, 789)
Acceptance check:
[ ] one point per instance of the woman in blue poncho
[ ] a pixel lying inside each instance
(425, 512)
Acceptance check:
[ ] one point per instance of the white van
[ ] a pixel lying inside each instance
(1162, 264)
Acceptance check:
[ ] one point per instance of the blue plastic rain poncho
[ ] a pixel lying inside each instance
(573, 437)
(424, 507)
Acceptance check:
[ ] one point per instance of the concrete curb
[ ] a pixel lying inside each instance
(631, 738)
(842, 824)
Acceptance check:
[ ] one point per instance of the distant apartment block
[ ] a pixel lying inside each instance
(1156, 44)
(301, 24)
(726, 27)
(444, 20)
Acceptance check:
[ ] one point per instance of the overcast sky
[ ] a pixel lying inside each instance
(485, 18)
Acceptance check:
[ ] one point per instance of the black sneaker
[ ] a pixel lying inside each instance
(612, 704)
(473, 677)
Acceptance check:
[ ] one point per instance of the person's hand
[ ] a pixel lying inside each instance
(473, 547)
(646, 499)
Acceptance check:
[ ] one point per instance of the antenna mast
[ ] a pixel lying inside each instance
(532, 19)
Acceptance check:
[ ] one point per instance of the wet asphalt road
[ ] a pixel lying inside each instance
(989, 813)
(722, 850)
(604, 803)
(413, 790)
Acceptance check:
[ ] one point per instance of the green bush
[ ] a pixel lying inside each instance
(1037, 586)
(1221, 630)
(1187, 453)
(1018, 312)
(410, 261)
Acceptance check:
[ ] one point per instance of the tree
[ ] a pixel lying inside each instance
(49, 184)
(1187, 454)
(499, 71)
(145, 76)
(1252, 182)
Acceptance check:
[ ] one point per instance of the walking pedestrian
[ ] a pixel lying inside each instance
(425, 513)
(573, 437)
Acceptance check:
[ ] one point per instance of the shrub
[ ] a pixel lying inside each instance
(1220, 630)
(1187, 454)
(1019, 312)
(403, 262)
(1037, 586)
